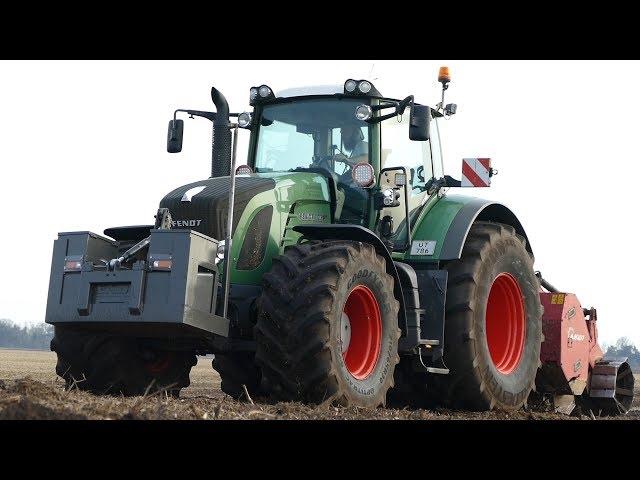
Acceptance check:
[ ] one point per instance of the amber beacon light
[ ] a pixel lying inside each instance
(443, 75)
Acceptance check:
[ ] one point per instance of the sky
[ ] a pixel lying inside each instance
(84, 148)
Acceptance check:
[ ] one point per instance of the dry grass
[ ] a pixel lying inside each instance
(30, 389)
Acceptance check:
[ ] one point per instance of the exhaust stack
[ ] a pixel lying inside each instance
(221, 137)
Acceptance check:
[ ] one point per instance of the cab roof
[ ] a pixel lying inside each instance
(310, 90)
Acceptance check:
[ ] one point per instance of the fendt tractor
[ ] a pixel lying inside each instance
(334, 267)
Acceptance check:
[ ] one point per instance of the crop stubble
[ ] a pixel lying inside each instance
(30, 389)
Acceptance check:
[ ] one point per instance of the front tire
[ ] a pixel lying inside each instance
(327, 330)
(112, 365)
(237, 369)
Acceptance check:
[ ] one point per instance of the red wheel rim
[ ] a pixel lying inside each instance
(505, 323)
(363, 350)
(159, 365)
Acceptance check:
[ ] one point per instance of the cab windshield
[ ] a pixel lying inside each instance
(315, 133)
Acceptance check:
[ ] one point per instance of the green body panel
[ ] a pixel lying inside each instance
(303, 198)
(433, 224)
(298, 198)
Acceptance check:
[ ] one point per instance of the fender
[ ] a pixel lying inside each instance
(359, 234)
(448, 223)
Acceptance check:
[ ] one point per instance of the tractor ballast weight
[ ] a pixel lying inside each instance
(171, 291)
(392, 278)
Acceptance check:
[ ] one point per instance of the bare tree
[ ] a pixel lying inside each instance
(37, 336)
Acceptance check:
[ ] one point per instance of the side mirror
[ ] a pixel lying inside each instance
(174, 136)
(419, 123)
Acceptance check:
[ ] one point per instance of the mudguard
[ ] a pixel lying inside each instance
(448, 221)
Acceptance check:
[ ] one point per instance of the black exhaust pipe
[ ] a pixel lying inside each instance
(221, 140)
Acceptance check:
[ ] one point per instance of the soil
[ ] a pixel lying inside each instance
(30, 389)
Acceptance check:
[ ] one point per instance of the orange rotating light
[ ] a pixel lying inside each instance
(443, 75)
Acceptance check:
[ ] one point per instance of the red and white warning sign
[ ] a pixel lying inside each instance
(476, 172)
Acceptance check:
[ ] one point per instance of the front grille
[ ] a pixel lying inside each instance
(208, 209)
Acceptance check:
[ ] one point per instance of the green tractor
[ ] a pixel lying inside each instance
(333, 267)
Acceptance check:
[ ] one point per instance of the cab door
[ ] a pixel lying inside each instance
(415, 157)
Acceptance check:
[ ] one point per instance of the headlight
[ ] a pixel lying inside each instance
(264, 91)
(244, 119)
(389, 197)
(259, 94)
(350, 85)
(364, 112)
(364, 86)
(360, 87)
(363, 174)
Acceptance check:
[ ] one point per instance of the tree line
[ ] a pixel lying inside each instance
(625, 348)
(39, 335)
(36, 337)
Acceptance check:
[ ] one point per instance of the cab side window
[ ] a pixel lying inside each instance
(436, 151)
(398, 151)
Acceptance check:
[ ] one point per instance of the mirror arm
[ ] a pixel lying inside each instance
(208, 115)
(403, 104)
(452, 182)
(435, 184)
(382, 106)
(399, 109)
(382, 118)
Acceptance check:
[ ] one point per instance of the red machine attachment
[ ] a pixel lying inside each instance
(574, 369)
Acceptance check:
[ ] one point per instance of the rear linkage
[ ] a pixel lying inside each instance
(163, 222)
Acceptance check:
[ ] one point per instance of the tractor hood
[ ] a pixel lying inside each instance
(202, 206)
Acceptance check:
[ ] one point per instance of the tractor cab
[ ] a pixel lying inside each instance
(377, 153)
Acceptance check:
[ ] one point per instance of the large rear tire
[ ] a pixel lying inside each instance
(327, 329)
(493, 323)
(104, 364)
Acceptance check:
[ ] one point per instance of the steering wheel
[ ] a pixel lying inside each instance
(325, 161)
(346, 177)
(322, 161)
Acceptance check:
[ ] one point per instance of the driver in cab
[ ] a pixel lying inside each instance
(353, 142)
(358, 151)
